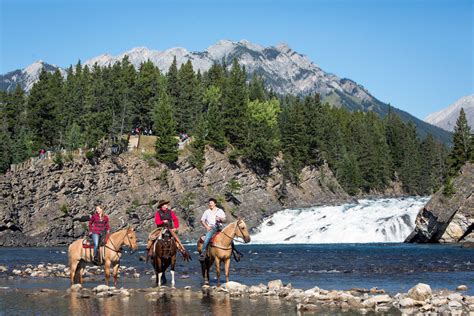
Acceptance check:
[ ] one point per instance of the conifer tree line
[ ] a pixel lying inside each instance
(222, 109)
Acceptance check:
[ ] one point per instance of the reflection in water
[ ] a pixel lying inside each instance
(167, 302)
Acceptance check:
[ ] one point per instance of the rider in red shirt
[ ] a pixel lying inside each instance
(98, 225)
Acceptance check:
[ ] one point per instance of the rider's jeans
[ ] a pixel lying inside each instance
(208, 238)
(95, 239)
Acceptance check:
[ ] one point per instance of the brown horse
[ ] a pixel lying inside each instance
(165, 250)
(110, 253)
(220, 249)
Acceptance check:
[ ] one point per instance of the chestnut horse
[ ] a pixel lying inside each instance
(220, 249)
(110, 254)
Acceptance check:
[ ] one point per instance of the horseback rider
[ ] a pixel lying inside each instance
(164, 218)
(98, 226)
(212, 220)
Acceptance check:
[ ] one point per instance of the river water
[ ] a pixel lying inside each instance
(392, 266)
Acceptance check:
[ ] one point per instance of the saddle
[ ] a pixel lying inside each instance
(87, 242)
(235, 253)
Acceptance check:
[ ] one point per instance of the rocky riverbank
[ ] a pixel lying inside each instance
(419, 299)
(49, 204)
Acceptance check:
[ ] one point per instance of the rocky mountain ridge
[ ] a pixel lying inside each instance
(446, 118)
(283, 70)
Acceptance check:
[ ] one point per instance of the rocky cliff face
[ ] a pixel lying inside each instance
(50, 205)
(448, 220)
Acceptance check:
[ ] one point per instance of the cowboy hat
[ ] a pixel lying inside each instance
(163, 202)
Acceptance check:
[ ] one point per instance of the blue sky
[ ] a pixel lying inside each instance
(416, 54)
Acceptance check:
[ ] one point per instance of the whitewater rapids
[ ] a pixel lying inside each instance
(380, 220)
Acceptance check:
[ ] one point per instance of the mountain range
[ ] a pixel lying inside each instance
(446, 118)
(283, 70)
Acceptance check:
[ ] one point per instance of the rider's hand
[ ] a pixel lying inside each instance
(208, 228)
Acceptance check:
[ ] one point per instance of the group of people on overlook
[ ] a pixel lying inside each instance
(165, 218)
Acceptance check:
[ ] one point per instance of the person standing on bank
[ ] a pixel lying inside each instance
(98, 225)
(211, 220)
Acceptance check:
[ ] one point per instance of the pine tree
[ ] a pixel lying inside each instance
(215, 132)
(172, 84)
(165, 129)
(411, 164)
(349, 175)
(262, 142)
(188, 105)
(256, 88)
(395, 134)
(293, 138)
(13, 109)
(22, 145)
(5, 148)
(73, 137)
(429, 179)
(147, 88)
(235, 106)
(42, 111)
(461, 144)
(198, 144)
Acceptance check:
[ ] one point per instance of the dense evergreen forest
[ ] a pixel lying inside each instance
(222, 109)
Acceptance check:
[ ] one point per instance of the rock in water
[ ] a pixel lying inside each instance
(448, 220)
(275, 285)
(420, 292)
(461, 288)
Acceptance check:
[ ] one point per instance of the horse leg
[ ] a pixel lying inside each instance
(173, 263)
(72, 271)
(218, 271)
(166, 263)
(227, 269)
(159, 268)
(115, 271)
(203, 271)
(107, 272)
(80, 271)
(155, 267)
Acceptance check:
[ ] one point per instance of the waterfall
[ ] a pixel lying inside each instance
(380, 220)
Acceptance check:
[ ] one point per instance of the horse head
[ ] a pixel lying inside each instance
(242, 231)
(131, 239)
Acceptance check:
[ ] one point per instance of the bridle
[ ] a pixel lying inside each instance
(119, 250)
(235, 228)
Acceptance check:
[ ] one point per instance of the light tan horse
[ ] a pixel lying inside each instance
(110, 253)
(220, 249)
